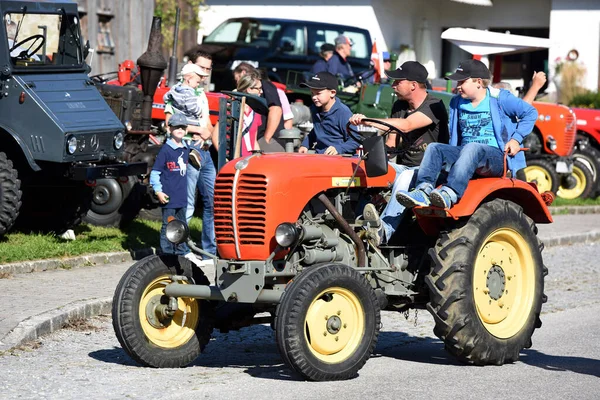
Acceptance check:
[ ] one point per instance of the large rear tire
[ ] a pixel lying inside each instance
(10, 194)
(327, 323)
(145, 333)
(543, 173)
(487, 285)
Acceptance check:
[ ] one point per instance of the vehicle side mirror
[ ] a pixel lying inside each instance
(376, 163)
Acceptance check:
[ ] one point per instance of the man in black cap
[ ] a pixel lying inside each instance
(326, 52)
(485, 123)
(329, 116)
(422, 119)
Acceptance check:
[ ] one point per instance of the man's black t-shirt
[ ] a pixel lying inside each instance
(272, 97)
(412, 145)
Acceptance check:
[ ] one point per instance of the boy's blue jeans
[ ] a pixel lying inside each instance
(166, 246)
(204, 180)
(464, 161)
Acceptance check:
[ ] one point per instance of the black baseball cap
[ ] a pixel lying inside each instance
(410, 71)
(322, 80)
(470, 69)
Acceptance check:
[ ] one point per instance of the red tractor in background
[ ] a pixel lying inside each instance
(588, 143)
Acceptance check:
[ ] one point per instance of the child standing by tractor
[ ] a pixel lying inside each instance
(330, 117)
(169, 181)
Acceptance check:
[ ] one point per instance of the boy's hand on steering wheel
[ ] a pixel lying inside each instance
(302, 150)
(331, 151)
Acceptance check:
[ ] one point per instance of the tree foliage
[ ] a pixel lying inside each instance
(167, 11)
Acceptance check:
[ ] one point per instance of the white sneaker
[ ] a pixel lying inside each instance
(193, 258)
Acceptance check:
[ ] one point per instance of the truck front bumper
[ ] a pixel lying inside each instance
(90, 172)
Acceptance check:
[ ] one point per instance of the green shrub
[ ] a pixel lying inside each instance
(586, 100)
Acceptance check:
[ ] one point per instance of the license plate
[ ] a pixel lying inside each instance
(562, 167)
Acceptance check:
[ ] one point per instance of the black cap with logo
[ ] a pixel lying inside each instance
(470, 69)
(322, 80)
(410, 71)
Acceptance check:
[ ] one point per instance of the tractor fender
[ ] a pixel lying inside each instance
(483, 190)
(17, 142)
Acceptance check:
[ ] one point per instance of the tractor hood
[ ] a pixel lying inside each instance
(70, 100)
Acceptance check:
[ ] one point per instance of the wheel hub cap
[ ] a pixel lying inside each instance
(334, 324)
(101, 195)
(495, 282)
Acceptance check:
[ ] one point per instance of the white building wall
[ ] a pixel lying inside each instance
(579, 30)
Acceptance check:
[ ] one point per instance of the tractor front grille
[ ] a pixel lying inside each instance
(570, 130)
(250, 209)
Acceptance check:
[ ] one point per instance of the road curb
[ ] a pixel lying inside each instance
(23, 267)
(42, 324)
(573, 239)
(574, 210)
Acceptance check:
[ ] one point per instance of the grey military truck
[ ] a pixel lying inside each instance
(57, 134)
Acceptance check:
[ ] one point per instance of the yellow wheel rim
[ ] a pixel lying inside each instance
(504, 283)
(334, 325)
(161, 330)
(540, 176)
(579, 187)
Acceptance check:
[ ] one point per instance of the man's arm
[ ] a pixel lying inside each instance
(414, 121)
(273, 119)
(537, 81)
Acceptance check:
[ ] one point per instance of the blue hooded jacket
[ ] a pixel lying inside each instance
(512, 118)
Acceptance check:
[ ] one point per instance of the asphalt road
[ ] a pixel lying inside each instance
(409, 361)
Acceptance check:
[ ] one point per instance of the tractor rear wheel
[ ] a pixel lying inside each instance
(577, 185)
(543, 173)
(487, 285)
(327, 322)
(10, 194)
(145, 330)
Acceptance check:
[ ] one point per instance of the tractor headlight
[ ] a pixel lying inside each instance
(71, 144)
(177, 231)
(118, 140)
(286, 234)
(551, 143)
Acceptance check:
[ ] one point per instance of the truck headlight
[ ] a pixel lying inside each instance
(551, 143)
(286, 234)
(118, 140)
(71, 144)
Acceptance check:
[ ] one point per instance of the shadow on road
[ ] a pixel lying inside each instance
(580, 365)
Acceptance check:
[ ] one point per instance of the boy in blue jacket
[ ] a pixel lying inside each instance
(330, 117)
(484, 123)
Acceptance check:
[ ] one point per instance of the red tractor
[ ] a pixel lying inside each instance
(587, 148)
(292, 243)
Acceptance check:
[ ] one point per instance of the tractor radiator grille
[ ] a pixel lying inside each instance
(250, 209)
(570, 131)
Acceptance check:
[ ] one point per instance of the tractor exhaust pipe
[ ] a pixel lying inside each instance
(152, 66)
(172, 74)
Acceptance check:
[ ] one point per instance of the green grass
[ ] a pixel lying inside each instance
(139, 234)
(576, 202)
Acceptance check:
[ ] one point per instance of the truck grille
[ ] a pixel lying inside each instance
(250, 209)
(570, 131)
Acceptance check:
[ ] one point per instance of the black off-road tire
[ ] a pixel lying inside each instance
(307, 322)
(542, 172)
(584, 183)
(496, 251)
(139, 335)
(10, 194)
(114, 202)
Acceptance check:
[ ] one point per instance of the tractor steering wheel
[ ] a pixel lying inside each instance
(359, 77)
(28, 53)
(387, 125)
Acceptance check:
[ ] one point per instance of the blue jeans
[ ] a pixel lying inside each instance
(464, 161)
(393, 212)
(204, 180)
(166, 246)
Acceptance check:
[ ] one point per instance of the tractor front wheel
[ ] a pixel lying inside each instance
(147, 330)
(543, 173)
(327, 322)
(487, 285)
(577, 185)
